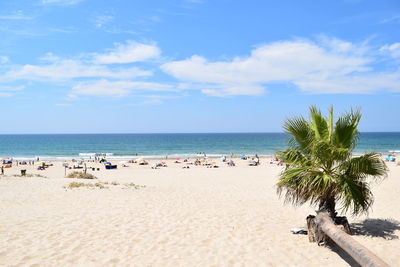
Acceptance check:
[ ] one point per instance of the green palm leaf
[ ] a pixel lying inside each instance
(321, 168)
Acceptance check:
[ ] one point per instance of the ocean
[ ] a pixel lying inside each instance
(126, 146)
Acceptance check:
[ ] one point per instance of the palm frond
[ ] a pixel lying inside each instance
(369, 164)
(346, 133)
(355, 195)
(300, 131)
(320, 166)
(319, 123)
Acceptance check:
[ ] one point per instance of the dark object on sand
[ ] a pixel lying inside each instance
(110, 167)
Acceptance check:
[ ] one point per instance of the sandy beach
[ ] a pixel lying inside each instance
(227, 216)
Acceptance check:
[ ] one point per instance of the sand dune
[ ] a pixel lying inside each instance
(229, 216)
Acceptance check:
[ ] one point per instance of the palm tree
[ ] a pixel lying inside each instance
(320, 165)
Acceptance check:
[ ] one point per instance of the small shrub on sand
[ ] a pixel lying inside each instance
(81, 175)
(87, 185)
(29, 175)
(135, 186)
(101, 185)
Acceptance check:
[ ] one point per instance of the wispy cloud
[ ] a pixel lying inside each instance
(3, 94)
(393, 49)
(358, 18)
(154, 99)
(18, 23)
(63, 105)
(101, 21)
(11, 88)
(352, 1)
(195, 1)
(392, 19)
(68, 30)
(18, 15)
(7, 91)
(91, 74)
(327, 66)
(60, 2)
(117, 88)
(67, 69)
(127, 53)
(4, 59)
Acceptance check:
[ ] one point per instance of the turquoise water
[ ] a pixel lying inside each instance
(59, 146)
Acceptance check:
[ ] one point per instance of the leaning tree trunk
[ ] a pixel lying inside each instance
(358, 252)
(315, 233)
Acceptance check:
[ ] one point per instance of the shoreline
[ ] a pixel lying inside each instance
(133, 157)
(109, 156)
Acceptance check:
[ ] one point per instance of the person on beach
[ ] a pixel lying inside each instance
(2, 170)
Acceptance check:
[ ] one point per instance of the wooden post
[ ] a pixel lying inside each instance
(360, 254)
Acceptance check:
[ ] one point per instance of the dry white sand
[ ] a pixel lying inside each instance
(230, 216)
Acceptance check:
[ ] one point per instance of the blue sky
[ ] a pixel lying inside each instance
(99, 66)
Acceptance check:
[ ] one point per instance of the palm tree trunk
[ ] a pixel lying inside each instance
(359, 253)
(328, 205)
(315, 233)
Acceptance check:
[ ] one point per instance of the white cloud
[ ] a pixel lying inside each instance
(117, 88)
(90, 77)
(60, 2)
(66, 69)
(329, 66)
(128, 53)
(393, 49)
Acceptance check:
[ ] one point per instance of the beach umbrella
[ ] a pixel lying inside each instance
(40, 163)
(139, 159)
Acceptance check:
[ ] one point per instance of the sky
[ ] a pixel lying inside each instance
(146, 66)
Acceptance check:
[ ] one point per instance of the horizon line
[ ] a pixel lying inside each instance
(116, 133)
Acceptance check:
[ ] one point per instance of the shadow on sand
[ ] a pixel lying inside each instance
(343, 254)
(370, 227)
(377, 228)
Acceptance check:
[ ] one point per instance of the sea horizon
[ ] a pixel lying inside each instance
(233, 132)
(120, 146)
